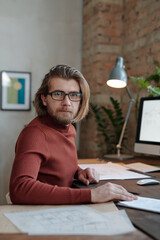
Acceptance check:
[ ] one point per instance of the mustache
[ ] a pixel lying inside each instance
(65, 109)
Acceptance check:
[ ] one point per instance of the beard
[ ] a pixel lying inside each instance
(63, 116)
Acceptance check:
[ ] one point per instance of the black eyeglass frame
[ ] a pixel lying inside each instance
(65, 94)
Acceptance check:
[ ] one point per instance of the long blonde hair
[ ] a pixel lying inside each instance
(65, 72)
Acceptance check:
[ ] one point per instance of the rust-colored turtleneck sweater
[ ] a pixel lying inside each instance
(45, 165)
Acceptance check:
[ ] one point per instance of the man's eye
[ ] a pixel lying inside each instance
(74, 94)
(58, 93)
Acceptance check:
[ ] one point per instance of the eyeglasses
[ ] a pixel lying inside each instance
(60, 96)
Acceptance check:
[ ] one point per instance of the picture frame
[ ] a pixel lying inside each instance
(15, 91)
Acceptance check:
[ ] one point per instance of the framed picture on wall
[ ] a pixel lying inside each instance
(15, 90)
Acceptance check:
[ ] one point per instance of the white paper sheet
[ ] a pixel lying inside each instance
(111, 170)
(142, 167)
(76, 220)
(143, 203)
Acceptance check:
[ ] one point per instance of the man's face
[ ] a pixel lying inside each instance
(66, 110)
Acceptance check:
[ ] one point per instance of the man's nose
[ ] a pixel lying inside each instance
(66, 101)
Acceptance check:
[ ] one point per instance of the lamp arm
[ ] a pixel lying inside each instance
(125, 122)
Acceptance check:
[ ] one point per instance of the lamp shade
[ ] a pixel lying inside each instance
(117, 77)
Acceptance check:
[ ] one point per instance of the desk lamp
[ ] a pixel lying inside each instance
(118, 79)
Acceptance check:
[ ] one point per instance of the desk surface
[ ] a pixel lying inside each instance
(147, 223)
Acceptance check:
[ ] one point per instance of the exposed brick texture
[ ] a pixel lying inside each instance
(112, 28)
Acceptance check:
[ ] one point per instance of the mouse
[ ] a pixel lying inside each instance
(148, 181)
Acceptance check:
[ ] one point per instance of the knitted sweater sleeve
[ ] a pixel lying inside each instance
(24, 186)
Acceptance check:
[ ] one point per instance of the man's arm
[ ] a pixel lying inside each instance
(105, 192)
(25, 188)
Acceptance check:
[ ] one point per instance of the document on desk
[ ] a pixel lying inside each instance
(143, 203)
(76, 220)
(108, 171)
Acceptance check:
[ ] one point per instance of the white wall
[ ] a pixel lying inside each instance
(34, 36)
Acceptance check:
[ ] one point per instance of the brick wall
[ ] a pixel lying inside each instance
(112, 28)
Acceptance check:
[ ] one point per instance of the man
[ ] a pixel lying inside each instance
(45, 162)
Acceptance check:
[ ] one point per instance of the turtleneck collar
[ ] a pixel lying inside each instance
(52, 123)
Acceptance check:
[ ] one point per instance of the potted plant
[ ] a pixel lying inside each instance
(150, 83)
(109, 125)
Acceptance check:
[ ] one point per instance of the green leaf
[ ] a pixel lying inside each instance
(158, 70)
(154, 77)
(154, 91)
(142, 83)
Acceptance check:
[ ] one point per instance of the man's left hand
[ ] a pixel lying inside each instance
(88, 175)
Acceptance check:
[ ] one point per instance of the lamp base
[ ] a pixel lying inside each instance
(119, 157)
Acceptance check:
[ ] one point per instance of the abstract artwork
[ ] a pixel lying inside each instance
(15, 90)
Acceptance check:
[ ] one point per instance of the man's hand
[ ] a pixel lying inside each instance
(110, 191)
(88, 175)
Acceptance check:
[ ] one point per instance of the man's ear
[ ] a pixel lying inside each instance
(43, 98)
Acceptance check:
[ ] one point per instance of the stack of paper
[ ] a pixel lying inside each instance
(142, 167)
(143, 203)
(111, 170)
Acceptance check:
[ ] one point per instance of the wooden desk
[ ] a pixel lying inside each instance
(147, 223)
